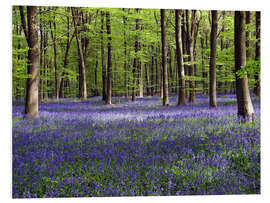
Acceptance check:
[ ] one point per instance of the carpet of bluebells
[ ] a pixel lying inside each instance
(86, 149)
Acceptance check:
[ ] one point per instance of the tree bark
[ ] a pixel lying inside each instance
(61, 91)
(109, 65)
(170, 70)
(203, 67)
(103, 62)
(147, 79)
(164, 59)
(53, 36)
(152, 72)
(135, 70)
(212, 68)
(245, 107)
(31, 101)
(83, 91)
(41, 62)
(184, 45)
(257, 88)
(190, 41)
(45, 67)
(125, 62)
(179, 55)
(96, 93)
(157, 70)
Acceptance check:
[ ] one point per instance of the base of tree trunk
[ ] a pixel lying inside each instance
(29, 116)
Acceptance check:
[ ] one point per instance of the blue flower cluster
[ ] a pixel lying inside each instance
(86, 149)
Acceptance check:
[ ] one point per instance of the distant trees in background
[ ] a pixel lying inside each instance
(84, 52)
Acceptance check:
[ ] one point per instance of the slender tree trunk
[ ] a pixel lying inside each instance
(125, 62)
(135, 63)
(147, 79)
(31, 101)
(227, 83)
(157, 71)
(140, 79)
(103, 63)
(53, 36)
(203, 66)
(179, 55)
(212, 68)
(96, 78)
(161, 81)
(257, 88)
(41, 63)
(140, 67)
(61, 91)
(152, 72)
(169, 69)
(190, 39)
(83, 91)
(222, 46)
(109, 65)
(245, 107)
(164, 59)
(45, 62)
(206, 55)
(184, 45)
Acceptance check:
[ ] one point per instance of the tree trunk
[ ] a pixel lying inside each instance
(109, 65)
(31, 100)
(257, 88)
(190, 41)
(203, 67)
(147, 79)
(164, 59)
(135, 70)
(83, 91)
(125, 63)
(53, 36)
(212, 68)
(96, 93)
(184, 45)
(103, 63)
(41, 62)
(140, 79)
(152, 72)
(61, 91)
(45, 62)
(179, 55)
(245, 107)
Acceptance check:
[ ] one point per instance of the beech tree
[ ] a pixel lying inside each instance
(31, 34)
(164, 59)
(212, 68)
(179, 57)
(53, 36)
(135, 62)
(82, 78)
(65, 62)
(109, 64)
(190, 32)
(103, 63)
(245, 107)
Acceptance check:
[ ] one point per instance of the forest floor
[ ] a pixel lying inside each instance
(83, 149)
